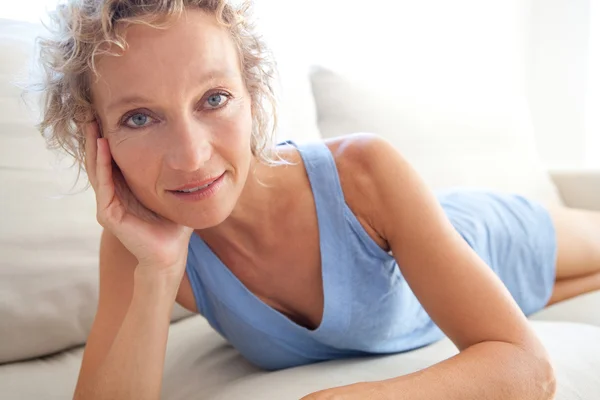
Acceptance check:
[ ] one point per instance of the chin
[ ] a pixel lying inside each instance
(205, 219)
(203, 215)
(196, 216)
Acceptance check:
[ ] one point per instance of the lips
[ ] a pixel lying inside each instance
(195, 186)
(199, 190)
(194, 189)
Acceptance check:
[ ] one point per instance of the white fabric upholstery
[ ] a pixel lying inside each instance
(201, 365)
(583, 309)
(47, 267)
(575, 371)
(579, 188)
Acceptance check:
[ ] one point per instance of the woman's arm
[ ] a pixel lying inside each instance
(125, 352)
(500, 358)
(487, 370)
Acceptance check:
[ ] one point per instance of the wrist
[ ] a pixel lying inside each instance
(156, 283)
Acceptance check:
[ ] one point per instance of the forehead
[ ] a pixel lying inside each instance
(191, 47)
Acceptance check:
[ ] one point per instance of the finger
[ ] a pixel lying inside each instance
(105, 187)
(91, 149)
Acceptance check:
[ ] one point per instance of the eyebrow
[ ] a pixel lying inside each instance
(136, 99)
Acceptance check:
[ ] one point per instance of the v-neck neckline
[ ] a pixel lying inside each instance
(232, 298)
(329, 211)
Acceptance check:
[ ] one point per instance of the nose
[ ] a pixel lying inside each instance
(188, 145)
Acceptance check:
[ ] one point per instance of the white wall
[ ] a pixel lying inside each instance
(26, 10)
(456, 51)
(557, 79)
(592, 119)
(547, 53)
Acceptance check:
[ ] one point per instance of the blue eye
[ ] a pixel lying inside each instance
(217, 100)
(137, 120)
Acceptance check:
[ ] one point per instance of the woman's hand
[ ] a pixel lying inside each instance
(158, 244)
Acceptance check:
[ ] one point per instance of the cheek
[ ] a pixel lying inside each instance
(244, 124)
(134, 159)
(234, 132)
(243, 129)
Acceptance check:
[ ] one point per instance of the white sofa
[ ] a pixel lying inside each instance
(49, 241)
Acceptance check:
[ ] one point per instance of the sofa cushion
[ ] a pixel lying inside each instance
(575, 362)
(482, 143)
(49, 236)
(201, 365)
(583, 309)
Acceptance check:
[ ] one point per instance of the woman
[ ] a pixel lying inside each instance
(295, 254)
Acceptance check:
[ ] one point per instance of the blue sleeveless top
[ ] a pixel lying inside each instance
(369, 308)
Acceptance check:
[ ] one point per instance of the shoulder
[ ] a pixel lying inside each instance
(360, 151)
(367, 159)
(367, 166)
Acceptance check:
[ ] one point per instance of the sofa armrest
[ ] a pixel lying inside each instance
(579, 188)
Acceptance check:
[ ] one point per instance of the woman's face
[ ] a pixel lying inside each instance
(177, 116)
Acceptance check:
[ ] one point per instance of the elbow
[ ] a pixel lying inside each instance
(530, 372)
(542, 380)
(547, 379)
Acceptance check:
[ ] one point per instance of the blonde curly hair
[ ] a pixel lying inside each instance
(85, 29)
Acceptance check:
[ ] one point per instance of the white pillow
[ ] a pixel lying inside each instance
(483, 143)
